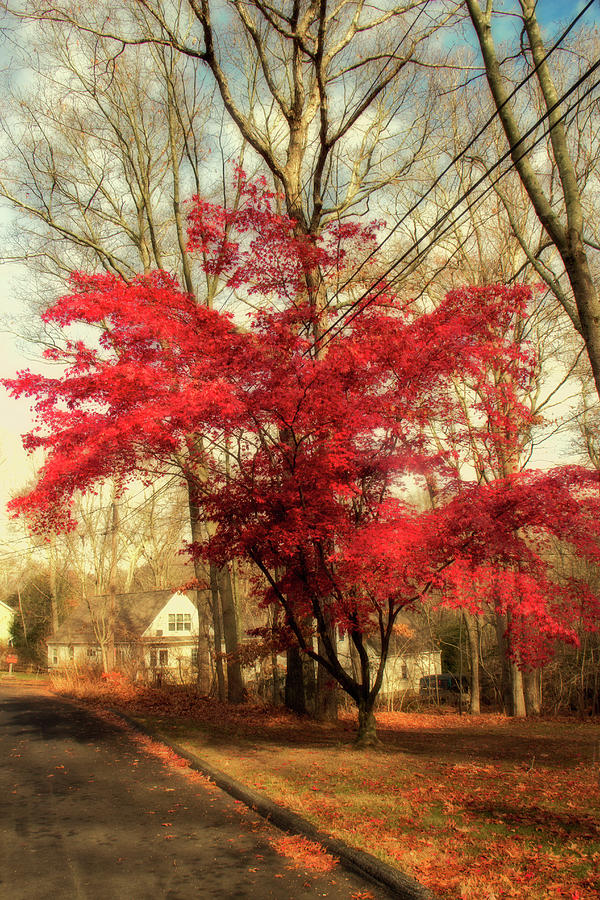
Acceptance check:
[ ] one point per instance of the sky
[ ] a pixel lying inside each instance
(550, 11)
(15, 417)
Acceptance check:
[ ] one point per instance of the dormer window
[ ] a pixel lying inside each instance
(180, 621)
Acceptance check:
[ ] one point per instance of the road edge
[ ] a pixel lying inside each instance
(403, 886)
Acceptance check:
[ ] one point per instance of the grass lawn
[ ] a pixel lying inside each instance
(24, 677)
(474, 807)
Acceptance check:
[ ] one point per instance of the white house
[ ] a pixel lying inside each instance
(409, 660)
(155, 632)
(404, 668)
(7, 615)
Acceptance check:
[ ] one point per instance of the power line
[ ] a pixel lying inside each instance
(452, 162)
(128, 515)
(436, 239)
(152, 497)
(390, 57)
(355, 309)
(98, 509)
(349, 315)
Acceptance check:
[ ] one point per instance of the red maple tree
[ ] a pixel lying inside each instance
(309, 460)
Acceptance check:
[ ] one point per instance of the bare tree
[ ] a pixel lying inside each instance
(558, 200)
(333, 99)
(98, 159)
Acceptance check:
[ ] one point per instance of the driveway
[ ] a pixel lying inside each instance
(86, 812)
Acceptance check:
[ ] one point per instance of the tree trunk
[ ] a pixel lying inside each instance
(326, 698)
(110, 661)
(565, 231)
(500, 624)
(53, 584)
(367, 726)
(517, 707)
(274, 680)
(216, 617)
(23, 622)
(472, 630)
(235, 682)
(202, 647)
(104, 654)
(225, 599)
(275, 676)
(532, 685)
(295, 696)
(512, 679)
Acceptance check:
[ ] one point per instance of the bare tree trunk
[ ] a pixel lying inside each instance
(235, 682)
(202, 649)
(112, 590)
(500, 625)
(225, 600)
(295, 696)
(367, 726)
(53, 585)
(566, 232)
(512, 679)
(327, 695)
(274, 680)
(104, 653)
(532, 683)
(518, 709)
(216, 616)
(23, 623)
(472, 629)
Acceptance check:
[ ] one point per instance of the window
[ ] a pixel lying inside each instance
(55, 657)
(180, 621)
(91, 651)
(194, 656)
(404, 671)
(71, 652)
(159, 656)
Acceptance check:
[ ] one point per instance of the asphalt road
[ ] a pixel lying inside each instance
(85, 813)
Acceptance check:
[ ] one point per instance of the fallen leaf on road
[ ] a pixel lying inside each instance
(304, 854)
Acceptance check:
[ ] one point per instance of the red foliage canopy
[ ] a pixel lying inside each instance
(323, 454)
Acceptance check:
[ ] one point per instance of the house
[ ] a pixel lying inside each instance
(156, 636)
(404, 668)
(411, 657)
(7, 615)
(155, 633)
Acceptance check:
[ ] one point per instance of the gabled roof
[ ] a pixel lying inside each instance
(134, 613)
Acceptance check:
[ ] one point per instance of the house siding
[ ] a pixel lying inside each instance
(166, 646)
(6, 619)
